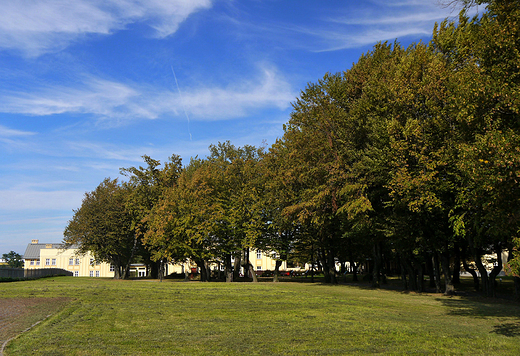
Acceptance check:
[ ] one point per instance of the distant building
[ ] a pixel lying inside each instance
(52, 255)
(49, 255)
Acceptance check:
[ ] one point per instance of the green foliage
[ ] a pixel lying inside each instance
(411, 155)
(13, 259)
(103, 226)
(145, 187)
(213, 210)
(513, 266)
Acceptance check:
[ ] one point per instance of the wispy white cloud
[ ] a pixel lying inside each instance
(33, 220)
(389, 20)
(105, 151)
(361, 29)
(47, 185)
(354, 26)
(332, 40)
(406, 18)
(95, 96)
(38, 200)
(268, 89)
(14, 140)
(116, 102)
(39, 26)
(7, 132)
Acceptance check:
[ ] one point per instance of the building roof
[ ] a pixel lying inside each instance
(32, 252)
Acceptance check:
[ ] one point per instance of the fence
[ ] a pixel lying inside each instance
(20, 273)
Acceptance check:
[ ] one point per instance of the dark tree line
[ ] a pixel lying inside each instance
(408, 162)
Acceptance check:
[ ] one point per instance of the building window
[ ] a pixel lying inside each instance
(259, 255)
(47, 261)
(32, 263)
(54, 262)
(97, 273)
(112, 268)
(258, 268)
(91, 261)
(77, 261)
(91, 274)
(71, 261)
(37, 262)
(76, 273)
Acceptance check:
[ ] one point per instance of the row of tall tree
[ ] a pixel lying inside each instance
(408, 162)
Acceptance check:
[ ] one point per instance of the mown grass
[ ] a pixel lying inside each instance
(106, 317)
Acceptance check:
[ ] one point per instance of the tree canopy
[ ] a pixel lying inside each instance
(408, 163)
(13, 259)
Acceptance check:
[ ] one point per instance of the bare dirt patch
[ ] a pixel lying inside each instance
(18, 314)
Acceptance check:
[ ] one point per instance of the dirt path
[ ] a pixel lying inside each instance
(20, 314)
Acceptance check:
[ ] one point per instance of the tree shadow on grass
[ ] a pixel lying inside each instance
(507, 329)
(487, 308)
(480, 307)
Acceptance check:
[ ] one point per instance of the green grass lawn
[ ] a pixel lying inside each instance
(107, 317)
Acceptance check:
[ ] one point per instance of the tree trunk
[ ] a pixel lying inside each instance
(403, 272)
(412, 275)
(251, 270)
(477, 255)
(354, 269)
(343, 270)
(117, 270)
(236, 266)
(456, 266)
(437, 272)
(467, 268)
(323, 259)
(154, 269)
(208, 270)
(376, 272)
(126, 271)
(483, 272)
(332, 266)
(494, 272)
(448, 284)
(161, 270)
(431, 271)
(277, 270)
(312, 263)
(203, 266)
(246, 262)
(420, 278)
(186, 274)
(227, 268)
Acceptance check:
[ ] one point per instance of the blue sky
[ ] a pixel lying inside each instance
(88, 87)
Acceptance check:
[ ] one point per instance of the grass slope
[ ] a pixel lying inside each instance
(106, 317)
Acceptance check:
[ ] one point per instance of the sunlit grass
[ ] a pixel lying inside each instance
(106, 317)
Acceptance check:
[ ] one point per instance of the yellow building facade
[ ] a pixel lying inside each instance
(50, 255)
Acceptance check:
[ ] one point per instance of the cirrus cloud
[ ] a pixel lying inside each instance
(115, 102)
(34, 27)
